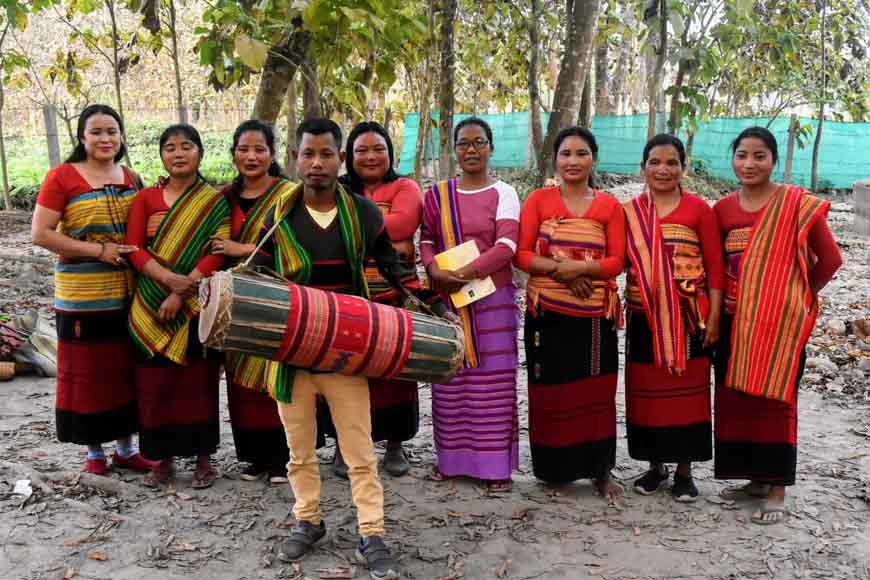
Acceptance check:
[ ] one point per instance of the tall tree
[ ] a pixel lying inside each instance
(445, 89)
(656, 16)
(534, 78)
(279, 69)
(817, 144)
(579, 40)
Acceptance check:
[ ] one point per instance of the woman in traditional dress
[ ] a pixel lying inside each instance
(176, 380)
(370, 173)
(257, 431)
(780, 253)
(88, 196)
(674, 301)
(475, 414)
(572, 243)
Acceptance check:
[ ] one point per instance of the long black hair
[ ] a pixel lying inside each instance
(190, 133)
(664, 140)
(78, 152)
(352, 180)
(582, 133)
(238, 184)
(760, 133)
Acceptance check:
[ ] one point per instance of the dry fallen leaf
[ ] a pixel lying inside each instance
(70, 574)
(98, 556)
(502, 570)
(340, 572)
(636, 531)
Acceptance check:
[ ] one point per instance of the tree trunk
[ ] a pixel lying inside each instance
(621, 87)
(310, 91)
(582, 16)
(793, 124)
(817, 144)
(674, 118)
(49, 113)
(602, 92)
(534, 89)
(279, 70)
(116, 69)
(655, 79)
(445, 96)
(388, 116)
(690, 145)
(7, 199)
(179, 93)
(584, 116)
(289, 162)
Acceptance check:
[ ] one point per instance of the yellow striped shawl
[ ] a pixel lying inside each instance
(245, 370)
(181, 240)
(98, 216)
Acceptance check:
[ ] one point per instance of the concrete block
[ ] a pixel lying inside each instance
(861, 195)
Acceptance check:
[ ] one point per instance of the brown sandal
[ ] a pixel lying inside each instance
(435, 474)
(499, 486)
(204, 479)
(162, 473)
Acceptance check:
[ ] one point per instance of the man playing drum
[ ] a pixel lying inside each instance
(322, 237)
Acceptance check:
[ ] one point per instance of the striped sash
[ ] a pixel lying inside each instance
(249, 371)
(442, 208)
(654, 273)
(293, 262)
(180, 241)
(98, 216)
(776, 308)
(575, 239)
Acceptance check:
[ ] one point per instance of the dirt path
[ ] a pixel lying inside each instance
(69, 529)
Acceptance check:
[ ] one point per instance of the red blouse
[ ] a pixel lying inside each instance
(547, 203)
(820, 238)
(147, 212)
(63, 183)
(401, 202)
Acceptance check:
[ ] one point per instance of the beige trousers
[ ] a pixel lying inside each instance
(348, 400)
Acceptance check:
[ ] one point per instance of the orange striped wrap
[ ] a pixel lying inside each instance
(776, 307)
(655, 276)
(574, 239)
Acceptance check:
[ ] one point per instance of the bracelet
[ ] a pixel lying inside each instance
(102, 250)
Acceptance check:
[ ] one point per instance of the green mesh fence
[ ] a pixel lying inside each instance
(844, 157)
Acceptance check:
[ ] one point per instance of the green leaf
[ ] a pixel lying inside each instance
(252, 52)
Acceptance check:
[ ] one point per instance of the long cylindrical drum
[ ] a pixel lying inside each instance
(315, 329)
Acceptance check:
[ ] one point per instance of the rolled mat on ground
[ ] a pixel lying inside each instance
(309, 328)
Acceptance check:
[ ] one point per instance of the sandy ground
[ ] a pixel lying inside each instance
(71, 529)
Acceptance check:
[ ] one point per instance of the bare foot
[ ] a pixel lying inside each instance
(499, 486)
(609, 489)
(773, 511)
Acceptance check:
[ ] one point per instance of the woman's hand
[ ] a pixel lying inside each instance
(170, 307)
(581, 287)
(711, 332)
(567, 270)
(183, 286)
(467, 273)
(230, 248)
(445, 279)
(112, 253)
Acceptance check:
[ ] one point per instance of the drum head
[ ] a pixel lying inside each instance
(209, 301)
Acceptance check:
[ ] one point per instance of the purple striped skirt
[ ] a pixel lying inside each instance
(474, 416)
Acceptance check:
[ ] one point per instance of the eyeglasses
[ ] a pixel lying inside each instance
(478, 144)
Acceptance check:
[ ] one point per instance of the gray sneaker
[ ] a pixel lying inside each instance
(396, 462)
(302, 538)
(374, 554)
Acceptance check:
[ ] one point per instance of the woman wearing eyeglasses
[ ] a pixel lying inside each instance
(475, 414)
